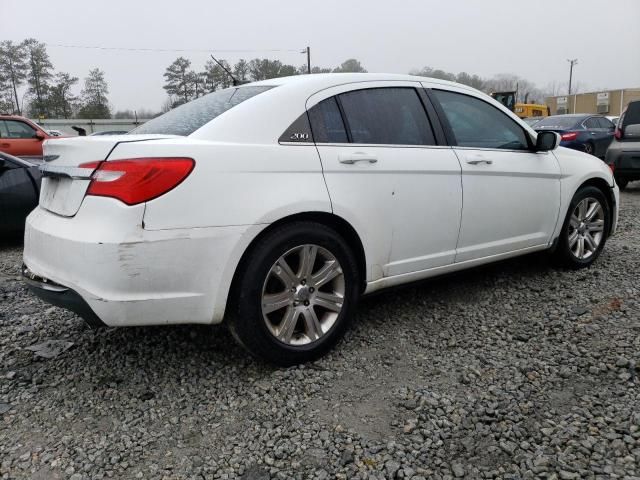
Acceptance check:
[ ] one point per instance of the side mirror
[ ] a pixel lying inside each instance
(632, 131)
(39, 135)
(547, 141)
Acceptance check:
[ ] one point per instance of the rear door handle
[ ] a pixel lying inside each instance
(351, 158)
(4, 145)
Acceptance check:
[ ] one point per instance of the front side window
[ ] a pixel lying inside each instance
(16, 129)
(187, 118)
(386, 116)
(475, 123)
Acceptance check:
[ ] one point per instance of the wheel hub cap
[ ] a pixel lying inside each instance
(586, 228)
(303, 295)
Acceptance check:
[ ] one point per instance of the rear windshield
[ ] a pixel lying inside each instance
(187, 118)
(557, 122)
(632, 115)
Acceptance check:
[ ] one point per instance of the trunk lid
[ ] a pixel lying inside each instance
(64, 184)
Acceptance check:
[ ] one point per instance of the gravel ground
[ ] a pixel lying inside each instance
(516, 370)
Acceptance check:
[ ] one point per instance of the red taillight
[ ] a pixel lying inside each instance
(618, 133)
(137, 180)
(569, 136)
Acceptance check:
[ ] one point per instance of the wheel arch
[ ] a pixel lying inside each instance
(602, 185)
(339, 224)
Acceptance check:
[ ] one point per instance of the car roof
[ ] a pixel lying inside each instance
(575, 115)
(320, 80)
(12, 117)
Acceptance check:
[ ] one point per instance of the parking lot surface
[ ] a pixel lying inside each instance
(517, 370)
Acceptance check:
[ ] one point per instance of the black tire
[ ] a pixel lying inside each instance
(563, 253)
(622, 182)
(589, 148)
(245, 318)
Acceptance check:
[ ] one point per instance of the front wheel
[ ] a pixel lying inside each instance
(294, 294)
(585, 228)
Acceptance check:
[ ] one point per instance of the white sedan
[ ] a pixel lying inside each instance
(273, 206)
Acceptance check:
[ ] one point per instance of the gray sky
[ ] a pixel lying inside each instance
(532, 39)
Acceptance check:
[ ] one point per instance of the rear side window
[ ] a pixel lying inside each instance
(326, 122)
(592, 123)
(386, 116)
(187, 118)
(475, 123)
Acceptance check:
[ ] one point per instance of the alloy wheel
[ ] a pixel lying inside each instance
(303, 295)
(586, 228)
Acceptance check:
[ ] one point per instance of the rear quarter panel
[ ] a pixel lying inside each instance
(233, 184)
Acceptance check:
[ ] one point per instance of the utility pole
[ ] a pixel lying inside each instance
(308, 52)
(572, 62)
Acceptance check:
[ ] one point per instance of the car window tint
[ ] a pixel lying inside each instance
(475, 123)
(604, 123)
(187, 118)
(387, 116)
(298, 131)
(326, 122)
(631, 116)
(591, 123)
(16, 129)
(3, 129)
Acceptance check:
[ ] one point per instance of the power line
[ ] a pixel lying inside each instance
(178, 50)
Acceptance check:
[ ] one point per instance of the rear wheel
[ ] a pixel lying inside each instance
(588, 148)
(296, 292)
(585, 228)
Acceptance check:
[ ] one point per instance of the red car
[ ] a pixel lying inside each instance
(21, 137)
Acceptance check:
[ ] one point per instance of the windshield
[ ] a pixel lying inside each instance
(558, 122)
(187, 118)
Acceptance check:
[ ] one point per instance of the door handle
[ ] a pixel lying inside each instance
(351, 158)
(478, 161)
(4, 145)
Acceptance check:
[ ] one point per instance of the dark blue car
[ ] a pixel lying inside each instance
(588, 133)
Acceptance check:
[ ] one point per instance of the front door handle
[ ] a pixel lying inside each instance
(478, 161)
(351, 158)
(4, 145)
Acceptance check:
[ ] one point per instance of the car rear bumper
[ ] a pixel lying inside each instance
(121, 274)
(60, 296)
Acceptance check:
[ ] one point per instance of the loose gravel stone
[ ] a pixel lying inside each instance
(514, 371)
